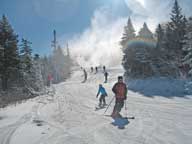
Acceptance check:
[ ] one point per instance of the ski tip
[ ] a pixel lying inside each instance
(130, 117)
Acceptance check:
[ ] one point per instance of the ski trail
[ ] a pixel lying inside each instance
(71, 117)
(7, 131)
(155, 118)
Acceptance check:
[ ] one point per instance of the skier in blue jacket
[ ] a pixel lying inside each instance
(102, 96)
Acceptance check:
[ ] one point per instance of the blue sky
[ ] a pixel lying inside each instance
(36, 19)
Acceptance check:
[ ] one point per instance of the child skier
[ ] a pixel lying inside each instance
(102, 101)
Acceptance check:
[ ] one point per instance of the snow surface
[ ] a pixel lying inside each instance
(67, 116)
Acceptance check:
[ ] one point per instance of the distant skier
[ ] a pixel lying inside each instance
(96, 69)
(85, 75)
(49, 80)
(106, 76)
(103, 93)
(91, 69)
(104, 69)
(120, 91)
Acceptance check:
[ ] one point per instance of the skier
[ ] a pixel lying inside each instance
(106, 76)
(49, 80)
(104, 69)
(120, 91)
(85, 75)
(91, 69)
(102, 96)
(96, 69)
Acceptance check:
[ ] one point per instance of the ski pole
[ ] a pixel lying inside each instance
(126, 108)
(109, 104)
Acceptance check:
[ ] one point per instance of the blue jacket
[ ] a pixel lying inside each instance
(102, 91)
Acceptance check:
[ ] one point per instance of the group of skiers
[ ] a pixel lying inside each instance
(96, 71)
(120, 91)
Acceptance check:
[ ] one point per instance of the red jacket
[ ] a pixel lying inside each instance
(120, 91)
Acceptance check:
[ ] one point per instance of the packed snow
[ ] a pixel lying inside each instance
(67, 115)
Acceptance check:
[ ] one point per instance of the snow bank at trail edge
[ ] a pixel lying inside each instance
(166, 87)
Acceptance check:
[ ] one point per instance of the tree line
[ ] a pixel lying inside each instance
(20, 69)
(167, 52)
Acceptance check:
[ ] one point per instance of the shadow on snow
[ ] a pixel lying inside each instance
(165, 87)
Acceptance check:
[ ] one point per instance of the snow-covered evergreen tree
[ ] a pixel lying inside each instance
(187, 47)
(168, 40)
(160, 34)
(46, 68)
(9, 57)
(176, 32)
(61, 65)
(145, 32)
(38, 84)
(162, 55)
(26, 56)
(30, 69)
(136, 58)
(129, 33)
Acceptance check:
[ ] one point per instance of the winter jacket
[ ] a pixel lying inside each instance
(106, 74)
(120, 91)
(102, 91)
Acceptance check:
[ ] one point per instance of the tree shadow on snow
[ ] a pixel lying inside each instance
(165, 87)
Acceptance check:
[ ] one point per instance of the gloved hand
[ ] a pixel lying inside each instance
(96, 96)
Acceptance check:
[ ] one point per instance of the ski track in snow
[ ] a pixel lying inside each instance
(68, 116)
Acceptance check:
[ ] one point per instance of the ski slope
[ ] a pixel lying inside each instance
(67, 116)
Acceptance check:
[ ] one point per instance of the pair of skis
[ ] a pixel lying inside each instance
(120, 122)
(99, 108)
(131, 117)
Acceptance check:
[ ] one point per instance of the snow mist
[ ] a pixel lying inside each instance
(99, 44)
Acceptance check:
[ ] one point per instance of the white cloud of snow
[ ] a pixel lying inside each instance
(99, 44)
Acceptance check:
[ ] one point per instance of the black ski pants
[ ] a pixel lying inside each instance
(118, 105)
(102, 99)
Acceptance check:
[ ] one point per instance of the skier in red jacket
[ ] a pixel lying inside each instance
(120, 91)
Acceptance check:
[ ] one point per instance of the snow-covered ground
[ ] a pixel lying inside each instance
(68, 116)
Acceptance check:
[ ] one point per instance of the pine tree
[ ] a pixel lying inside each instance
(46, 68)
(61, 65)
(31, 69)
(187, 47)
(160, 37)
(145, 32)
(33, 81)
(129, 33)
(37, 78)
(176, 31)
(9, 52)
(26, 55)
(168, 38)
